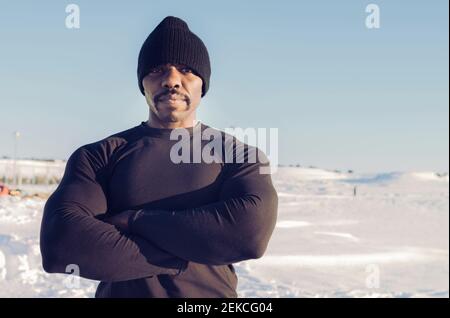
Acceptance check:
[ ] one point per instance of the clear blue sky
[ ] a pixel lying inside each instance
(343, 96)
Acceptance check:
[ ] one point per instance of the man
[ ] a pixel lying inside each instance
(145, 225)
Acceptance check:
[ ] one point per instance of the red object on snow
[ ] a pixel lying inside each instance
(3, 190)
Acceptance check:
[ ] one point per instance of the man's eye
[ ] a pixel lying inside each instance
(186, 70)
(155, 70)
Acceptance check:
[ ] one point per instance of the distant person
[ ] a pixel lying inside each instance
(144, 226)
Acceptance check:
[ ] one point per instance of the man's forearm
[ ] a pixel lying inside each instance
(225, 232)
(100, 251)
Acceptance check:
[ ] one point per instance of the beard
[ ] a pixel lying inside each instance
(167, 112)
(171, 113)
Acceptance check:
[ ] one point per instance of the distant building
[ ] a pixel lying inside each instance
(31, 171)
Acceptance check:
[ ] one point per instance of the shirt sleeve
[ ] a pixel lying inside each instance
(236, 228)
(71, 233)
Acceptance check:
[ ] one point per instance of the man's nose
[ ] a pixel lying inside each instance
(172, 78)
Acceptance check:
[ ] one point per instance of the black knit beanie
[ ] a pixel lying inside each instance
(172, 42)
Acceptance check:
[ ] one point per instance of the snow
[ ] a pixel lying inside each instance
(390, 240)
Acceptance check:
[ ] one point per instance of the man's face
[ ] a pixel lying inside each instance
(173, 93)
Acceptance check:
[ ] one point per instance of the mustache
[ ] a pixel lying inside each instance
(170, 92)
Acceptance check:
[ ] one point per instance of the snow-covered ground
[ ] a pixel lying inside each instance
(390, 240)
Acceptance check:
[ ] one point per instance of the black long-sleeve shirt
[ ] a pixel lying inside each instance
(194, 218)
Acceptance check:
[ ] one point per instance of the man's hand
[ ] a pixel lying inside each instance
(120, 220)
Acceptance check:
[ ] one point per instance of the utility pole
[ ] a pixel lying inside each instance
(16, 146)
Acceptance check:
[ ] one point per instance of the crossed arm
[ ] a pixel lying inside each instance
(71, 233)
(142, 243)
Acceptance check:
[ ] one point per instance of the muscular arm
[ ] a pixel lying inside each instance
(71, 233)
(236, 228)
